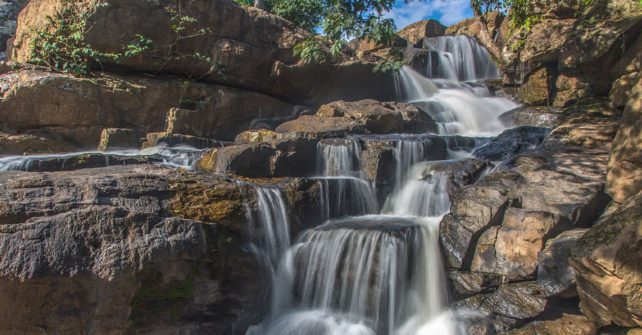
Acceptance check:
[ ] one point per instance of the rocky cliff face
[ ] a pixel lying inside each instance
(547, 241)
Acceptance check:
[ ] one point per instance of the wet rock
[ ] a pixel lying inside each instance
(416, 32)
(567, 324)
(508, 307)
(534, 116)
(512, 142)
(555, 276)
(465, 284)
(294, 157)
(111, 250)
(118, 138)
(607, 266)
(561, 183)
(70, 162)
(516, 301)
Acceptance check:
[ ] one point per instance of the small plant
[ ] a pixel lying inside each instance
(311, 50)
(61, 46)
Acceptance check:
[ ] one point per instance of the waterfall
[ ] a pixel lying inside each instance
(459, 58)
(346, 196)
(458, 109)
(424, 193)
(339, 157)
(344, 191)
(412, 86)
(268, 226)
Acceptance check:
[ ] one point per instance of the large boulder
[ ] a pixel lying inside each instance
(557, 186)
(242, 47)
(416, 32)
(607, 262)
(535, 116)
(359, 117)
(624, 178)
(78, 109)
(124, 250)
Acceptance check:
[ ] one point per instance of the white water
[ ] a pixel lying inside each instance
(177, 157)
(269, 226)
(458, 110)
(339, 157)
(346, 196)
(424, 193)
(383, 274)
(459, 58)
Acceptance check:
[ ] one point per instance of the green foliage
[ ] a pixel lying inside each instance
(338, 20)
(311, 50)
(61, 45)
(185, 27)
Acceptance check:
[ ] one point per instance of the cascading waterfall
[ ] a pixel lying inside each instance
(457, 111)
(424, 193)
(383, 274)
(268, 226)
(339, 157)
(459, 58)
(344, 191)
(346, 196)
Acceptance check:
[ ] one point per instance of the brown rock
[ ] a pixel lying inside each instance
(321, 127)
(79, 109)
(567, 324)
(118, 138)
(569, 90)
(416, 32)
(607, 265)
(118, 250)
(624, 178)
(545, 41)
(554, 274)
(33, 142)
(165, 139)
(473, 28)
(536, 88)
(535, 116)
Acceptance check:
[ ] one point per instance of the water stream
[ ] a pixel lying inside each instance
(371, 271)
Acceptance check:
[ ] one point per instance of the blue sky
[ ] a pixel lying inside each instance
(446, 11)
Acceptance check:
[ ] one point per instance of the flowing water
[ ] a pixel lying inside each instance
(176, 157)
(459, 58)
(268, 228)
(363, 273)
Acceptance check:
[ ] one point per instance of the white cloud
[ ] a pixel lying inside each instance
(447, 12)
